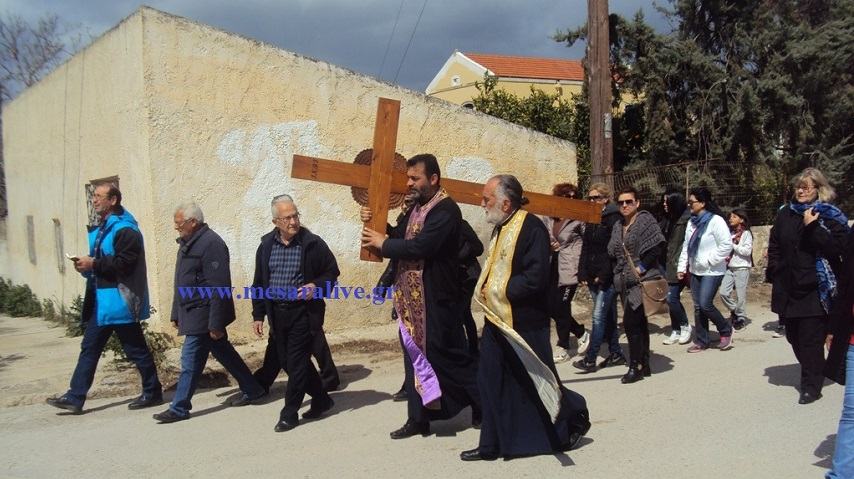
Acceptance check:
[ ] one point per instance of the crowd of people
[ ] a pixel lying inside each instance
(528, 277)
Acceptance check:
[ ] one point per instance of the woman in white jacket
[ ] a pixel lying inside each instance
(738, 268)
(704, 252)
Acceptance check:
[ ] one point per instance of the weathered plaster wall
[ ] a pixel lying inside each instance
(228, 113)
(83, 121)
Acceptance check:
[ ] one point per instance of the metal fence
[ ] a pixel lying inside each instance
(758, 189)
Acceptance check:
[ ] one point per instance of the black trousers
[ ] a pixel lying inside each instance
(560, 309)
(806, 335)
(269, 370)
(292, 331)
(636, 325)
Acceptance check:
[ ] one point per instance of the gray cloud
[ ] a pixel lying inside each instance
(354, 34)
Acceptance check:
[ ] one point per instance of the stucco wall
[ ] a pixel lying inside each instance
(180, 111)
(83, 121)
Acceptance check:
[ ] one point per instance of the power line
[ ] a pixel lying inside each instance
(388, 45)
(414, 29)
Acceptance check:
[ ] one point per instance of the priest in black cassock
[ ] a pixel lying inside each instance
(441, 373)
(526, 410)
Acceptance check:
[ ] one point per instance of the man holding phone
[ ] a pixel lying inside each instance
(116, 301)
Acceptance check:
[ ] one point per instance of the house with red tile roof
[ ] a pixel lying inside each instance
(455, 81)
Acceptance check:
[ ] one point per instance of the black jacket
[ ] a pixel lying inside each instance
(528, 285)
(675, 235)
(595, 262)
(792, 251)
(841, 323)
(317, 266)
(203, 261)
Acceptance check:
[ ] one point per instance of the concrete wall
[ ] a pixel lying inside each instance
(183, 111)
(84, 121)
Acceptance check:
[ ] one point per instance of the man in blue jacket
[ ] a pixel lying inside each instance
(116, 301)
(202, 307)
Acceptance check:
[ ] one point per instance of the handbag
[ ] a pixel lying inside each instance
(654, 290)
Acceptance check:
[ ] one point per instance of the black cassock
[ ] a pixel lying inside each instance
(515, 422)
(447, 350)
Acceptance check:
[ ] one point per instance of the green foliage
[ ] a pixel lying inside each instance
(158, 343)
(18, 300)
(68, 317)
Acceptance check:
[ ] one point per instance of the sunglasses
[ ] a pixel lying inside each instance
(595, 197)
(625, 202)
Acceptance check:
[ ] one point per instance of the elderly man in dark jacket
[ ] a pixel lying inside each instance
(201, 309)
(292, 259)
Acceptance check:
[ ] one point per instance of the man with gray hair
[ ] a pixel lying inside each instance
(526, 410)
(292, 258)
(202, 307)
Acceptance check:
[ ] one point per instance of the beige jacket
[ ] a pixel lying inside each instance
(569, 254)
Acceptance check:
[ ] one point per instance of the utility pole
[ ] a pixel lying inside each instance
(599, 91)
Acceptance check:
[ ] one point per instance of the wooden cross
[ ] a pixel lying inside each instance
(380, 180)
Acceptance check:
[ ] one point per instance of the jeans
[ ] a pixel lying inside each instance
(604, 321)
(678, 316)
(94, 340)
(703, 290)
(735, 279)
(194, 355)
(843, 457)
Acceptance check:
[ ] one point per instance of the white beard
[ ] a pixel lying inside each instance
(494, 215)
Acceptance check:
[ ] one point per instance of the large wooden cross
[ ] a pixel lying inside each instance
(380, 180)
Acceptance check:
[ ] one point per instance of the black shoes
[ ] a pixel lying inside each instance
(613, 359)
(399, 396)
(245, 400)
(634, 375)
(475, 455)
(587, 367)
(144, 401)
(411, 428)
(168, 416)
(807, 398)
(64, 403)
(285, 425)
(314, 412)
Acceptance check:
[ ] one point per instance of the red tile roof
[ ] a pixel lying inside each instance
(530, 67)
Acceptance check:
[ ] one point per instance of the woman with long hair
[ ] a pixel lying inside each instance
(673, 225)
(635, 246)
(738, 267)
(704, 252)
(566, 239)
(804, 260)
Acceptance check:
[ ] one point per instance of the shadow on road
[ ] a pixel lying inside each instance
(5, 361)
(785, 375)
(824, 452)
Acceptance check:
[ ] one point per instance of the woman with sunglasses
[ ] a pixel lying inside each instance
(704, 252)
(804, 260)
(635, 246)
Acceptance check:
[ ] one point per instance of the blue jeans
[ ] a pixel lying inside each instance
(604, 322)
(194, 355)
(703, 290)
(843, 458)
(678, 316)
(94, 339)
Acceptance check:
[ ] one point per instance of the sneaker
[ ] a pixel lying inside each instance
(613, 359)
(673, 339)
(779, 332)
(697, 348)
(560, 355)
(739, 323)
(582, 364)
(726, 343)
(685, 335)
(583, 343)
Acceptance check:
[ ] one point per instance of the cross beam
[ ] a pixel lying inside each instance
(380, 180)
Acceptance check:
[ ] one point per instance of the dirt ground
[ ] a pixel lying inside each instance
(712, 414)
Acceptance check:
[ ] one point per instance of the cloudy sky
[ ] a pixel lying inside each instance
(356, 34)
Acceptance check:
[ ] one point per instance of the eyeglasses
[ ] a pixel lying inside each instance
(181, 224)
(287, 219)
(625, 202)
(595, 197)
(805, 188)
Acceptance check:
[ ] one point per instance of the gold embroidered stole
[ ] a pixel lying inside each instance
(491, 295)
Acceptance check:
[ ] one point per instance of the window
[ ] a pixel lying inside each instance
(57, 241)
(31, 239)
(94, 220)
